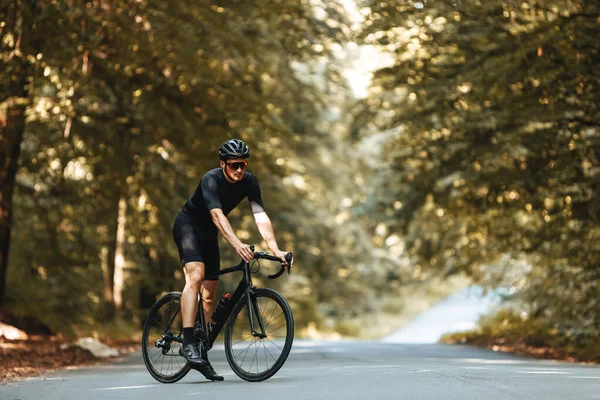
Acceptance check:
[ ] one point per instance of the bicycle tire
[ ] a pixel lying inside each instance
(170, 306)
(275, 311)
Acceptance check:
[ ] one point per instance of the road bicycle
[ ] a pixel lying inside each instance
(258, 336)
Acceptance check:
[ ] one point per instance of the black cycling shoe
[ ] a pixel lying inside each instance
(192, 356)
(209, 372)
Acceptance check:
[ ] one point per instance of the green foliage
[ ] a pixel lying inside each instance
(492, 111)
(130, 100)
(488, 117)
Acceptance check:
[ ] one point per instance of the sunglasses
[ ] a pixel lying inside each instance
(237, 165)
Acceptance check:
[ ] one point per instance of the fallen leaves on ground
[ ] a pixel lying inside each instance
(519, 347)
(21, 359)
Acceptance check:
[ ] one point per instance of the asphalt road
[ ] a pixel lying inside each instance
(336, 370)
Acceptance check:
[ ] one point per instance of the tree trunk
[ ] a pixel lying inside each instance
(12, 126)
(107, 274)
(119, 274)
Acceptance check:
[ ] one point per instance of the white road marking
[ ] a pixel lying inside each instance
(279, 386)
(484, 361)
(359, 366)
(124, 387)
(544, 372)
(263, 387)
(585, 377)
(544, 369)
(41, 378)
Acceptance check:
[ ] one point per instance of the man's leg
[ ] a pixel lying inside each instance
(209, 288)
(194, 276)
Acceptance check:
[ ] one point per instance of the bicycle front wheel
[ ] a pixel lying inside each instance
(161, 339)
(252, 357)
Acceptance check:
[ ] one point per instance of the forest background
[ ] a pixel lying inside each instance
(404, 149)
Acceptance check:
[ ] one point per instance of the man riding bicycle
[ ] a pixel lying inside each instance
(196, 230)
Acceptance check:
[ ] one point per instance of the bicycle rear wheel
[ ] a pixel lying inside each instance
(161, 339)
(252, 358)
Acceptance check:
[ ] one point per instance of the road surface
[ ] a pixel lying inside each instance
(336, 370)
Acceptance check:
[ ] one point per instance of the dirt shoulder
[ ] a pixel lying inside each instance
(21, 359)
(521, 348)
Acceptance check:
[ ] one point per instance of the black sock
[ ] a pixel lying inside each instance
(188, 336)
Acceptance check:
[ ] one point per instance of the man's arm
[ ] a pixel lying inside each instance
(224, 227)
(263, 223)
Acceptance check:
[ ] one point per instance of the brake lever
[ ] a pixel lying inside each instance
(288, 258)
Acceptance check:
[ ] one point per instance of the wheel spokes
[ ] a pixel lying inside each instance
(163, 356)
(252, 354)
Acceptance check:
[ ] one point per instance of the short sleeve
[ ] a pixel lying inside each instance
(210, 192)
(255, 197)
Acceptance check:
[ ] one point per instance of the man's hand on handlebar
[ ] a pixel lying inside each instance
(244, 251)
(281, 255)
(286, 260)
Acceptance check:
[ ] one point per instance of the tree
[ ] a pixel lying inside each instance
(128, 104)
(493, 109)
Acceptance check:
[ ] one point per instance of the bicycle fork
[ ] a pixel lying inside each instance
(253, 307)
(253, 310)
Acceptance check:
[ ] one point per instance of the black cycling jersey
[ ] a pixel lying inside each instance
(194, 231)
(214, 191)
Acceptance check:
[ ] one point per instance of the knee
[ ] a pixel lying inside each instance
(194, 276)
(208, 292)
(208, 300)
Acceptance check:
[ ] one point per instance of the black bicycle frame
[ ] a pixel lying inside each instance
(244, 288)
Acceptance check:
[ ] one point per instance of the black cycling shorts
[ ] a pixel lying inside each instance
(195, 244)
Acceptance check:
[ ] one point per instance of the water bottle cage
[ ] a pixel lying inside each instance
(219, 309)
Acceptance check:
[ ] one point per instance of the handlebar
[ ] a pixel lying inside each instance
(266, 256)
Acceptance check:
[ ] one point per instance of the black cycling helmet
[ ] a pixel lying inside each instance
(233, 148)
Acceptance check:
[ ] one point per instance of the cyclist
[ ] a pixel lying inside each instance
(195, 231)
